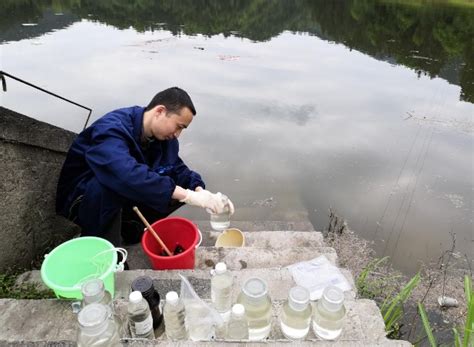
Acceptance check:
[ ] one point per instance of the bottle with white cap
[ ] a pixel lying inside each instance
(174, 314)
(295, 317)
(329, 313)
(140, 320)
(221, 288)
(238, 328)
(96, 329)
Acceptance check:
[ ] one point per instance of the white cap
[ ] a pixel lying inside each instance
(93, 289)
(220, 268)
(93, 318)
(333, 298)
(135, 297)
(298, 298)
(238, 310)
(172, 298)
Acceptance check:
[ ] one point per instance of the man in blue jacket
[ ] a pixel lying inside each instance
(130, 157)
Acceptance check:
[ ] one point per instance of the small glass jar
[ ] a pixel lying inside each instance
(144, 284)
(221, 221)
(95, 327)
(295, 318)
(93, 291)
(258, 307)
(329, 313)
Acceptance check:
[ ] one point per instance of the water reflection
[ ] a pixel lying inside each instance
(431, 39)
(301, 114)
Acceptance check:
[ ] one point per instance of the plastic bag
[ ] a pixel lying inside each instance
(201, 320)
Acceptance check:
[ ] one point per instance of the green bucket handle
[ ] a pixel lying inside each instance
(118, 268)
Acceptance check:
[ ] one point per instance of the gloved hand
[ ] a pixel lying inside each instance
(204, 199)
(228, 205)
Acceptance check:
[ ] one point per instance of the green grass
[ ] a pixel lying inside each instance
(468, 328)
(383, 288)
(9, 290)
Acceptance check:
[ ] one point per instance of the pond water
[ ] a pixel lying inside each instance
(360, 106)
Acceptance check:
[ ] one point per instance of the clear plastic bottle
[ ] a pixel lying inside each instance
(221, 221)
(173, 313)
(144, 284)
(95, 327)
(258, 307)
(221, 288)
(238, 327)
(140, 320)
(295, 318)
(329, 313)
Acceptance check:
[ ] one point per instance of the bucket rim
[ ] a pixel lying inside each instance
(47, 257)
(149, 253)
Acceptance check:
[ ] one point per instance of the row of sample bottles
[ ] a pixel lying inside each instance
(249, 318)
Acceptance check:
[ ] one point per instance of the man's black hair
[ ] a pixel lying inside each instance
(174, 99)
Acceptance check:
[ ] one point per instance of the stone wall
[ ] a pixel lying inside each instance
(31, 156)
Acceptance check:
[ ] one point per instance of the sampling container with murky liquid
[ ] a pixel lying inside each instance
(295, 318)
(329, 313)
(258, 307)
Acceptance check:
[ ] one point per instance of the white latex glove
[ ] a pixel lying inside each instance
(228, 204)
(204, 199)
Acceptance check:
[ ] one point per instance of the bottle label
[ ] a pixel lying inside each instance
(141, 328)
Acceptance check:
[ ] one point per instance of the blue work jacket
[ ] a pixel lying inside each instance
(109, 155)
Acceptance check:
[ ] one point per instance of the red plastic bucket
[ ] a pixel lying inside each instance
(172, 231)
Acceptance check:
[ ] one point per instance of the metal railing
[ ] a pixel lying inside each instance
(4, 87)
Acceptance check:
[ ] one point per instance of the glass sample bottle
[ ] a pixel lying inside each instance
(93, 291)
(173, 314)
(238, 327)
(221, 221)
(221, 288)
(295, 316)
(95, 327)
(144, 284)
(329, 312)
(258, 307)
(140, 320)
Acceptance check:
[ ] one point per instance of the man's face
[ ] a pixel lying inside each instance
(168, 125)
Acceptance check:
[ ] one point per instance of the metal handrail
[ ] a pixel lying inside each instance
(4, 86)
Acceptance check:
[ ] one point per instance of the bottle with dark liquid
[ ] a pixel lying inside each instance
(144, 284)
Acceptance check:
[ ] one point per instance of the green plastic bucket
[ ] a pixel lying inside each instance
(74, 261)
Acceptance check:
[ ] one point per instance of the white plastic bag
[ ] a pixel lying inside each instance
(201, 320)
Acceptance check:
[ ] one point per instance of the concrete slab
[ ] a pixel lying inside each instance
(250, 257)
(274, 239)
(20, 318)
(268, 225)
(279, 281)
(241, 258)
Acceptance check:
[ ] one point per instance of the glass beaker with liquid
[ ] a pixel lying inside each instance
(221, 221)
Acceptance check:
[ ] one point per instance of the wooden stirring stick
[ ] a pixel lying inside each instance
(149, 227)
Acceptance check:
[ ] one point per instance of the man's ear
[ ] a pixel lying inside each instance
(159, 110)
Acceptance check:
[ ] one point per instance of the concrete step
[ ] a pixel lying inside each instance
(19, 320)
(240, 258)
(279, 281)
(276, 225)
(274, 239)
